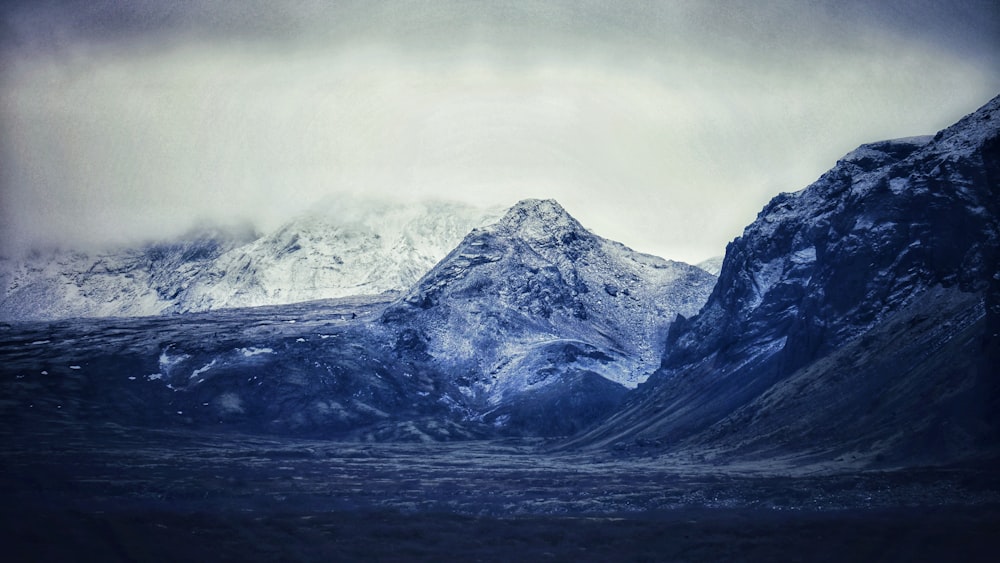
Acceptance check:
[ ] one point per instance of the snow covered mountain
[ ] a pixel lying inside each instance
(536, 308)
(530, 326)
(356, 247)
(125, 282)
(345, 247)
(858, 317)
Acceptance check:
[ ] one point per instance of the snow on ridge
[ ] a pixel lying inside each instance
(874, 155)
(254, 351)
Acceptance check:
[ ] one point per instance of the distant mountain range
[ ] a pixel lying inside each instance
(531, 325)
(343, 247)
(854, 322)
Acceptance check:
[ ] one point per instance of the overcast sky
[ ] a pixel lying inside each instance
(664, 125)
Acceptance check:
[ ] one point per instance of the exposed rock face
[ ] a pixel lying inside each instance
(896, 233)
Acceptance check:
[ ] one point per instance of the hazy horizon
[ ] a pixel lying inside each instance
(665, 126)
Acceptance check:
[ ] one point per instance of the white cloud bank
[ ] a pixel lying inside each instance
(665, 126)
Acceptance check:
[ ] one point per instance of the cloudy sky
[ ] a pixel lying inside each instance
(665, 125)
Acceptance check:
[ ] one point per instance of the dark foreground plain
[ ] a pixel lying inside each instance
(113, 449)
(114, 493)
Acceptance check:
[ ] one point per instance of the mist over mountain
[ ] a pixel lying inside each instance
(342, 247)
(712, 265)
(357, 247)
(855, 319)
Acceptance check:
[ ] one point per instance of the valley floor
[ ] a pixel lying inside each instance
(683, 535)
(114, 493)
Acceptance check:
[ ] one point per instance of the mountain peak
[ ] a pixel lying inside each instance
(538, 203)
(538, 220)
(530, 209)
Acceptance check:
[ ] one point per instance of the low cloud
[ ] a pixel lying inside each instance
(665, 128)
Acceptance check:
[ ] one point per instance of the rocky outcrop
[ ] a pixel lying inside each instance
(893, 230)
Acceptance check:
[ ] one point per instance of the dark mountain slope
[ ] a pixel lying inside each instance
(307, 369)
(827, 303)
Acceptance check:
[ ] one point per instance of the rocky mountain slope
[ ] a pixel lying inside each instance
(349, 246)
(301, 369)
(857, 318)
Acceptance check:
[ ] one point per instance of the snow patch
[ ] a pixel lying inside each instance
(253, 351)
(202, 369)
(767, 275)
(899, 186)
(168, 362)
(804, 256)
